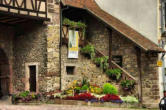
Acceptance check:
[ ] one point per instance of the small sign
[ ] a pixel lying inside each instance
(159, 63)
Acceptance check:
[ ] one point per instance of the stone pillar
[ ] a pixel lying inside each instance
(53, 41)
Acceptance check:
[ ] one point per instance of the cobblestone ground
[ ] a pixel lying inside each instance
(57, 107)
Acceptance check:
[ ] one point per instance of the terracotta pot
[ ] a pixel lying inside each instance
(87, 56)
(98, 65)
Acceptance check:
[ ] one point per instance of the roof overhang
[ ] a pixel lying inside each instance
(112, 22)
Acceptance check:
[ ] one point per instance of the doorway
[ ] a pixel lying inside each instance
(31, 77)
(4, 74)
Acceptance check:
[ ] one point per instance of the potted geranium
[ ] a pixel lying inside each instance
(127, 84)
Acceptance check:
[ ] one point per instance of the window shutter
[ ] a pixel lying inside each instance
(163, 16)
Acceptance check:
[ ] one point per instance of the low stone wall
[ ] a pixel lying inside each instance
(83, 103)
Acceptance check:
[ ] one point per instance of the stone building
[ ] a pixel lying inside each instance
(34, 59)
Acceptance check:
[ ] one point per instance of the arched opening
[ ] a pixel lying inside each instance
(4, 74)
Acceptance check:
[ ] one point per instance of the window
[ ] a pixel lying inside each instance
(117, 59)
(70, 70)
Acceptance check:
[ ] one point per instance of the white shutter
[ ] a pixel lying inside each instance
(163, 16)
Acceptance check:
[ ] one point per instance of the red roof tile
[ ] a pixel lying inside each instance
(134, 36)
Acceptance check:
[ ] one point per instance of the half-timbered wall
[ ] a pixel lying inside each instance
(36, 8)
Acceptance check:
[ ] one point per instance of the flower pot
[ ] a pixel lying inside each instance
(83, 91)
(87, 56)
(128, 88)
(98, 65)
(113, 77)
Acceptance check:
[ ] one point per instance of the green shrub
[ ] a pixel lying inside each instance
(127, 84)
(114, 73)
(85, 82)
(109, 89)
(89, 49)
(24, 94)
(85, 87)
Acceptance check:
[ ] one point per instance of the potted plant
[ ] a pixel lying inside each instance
(80, 26)
(114, 74)
(84, 89)
(127, 84)
(88, 51)
(102, 62)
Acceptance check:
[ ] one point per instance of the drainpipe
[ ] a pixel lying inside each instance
(60, 55)
(163, 68)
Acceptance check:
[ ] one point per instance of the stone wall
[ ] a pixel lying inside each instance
(150, 80)
(29, 46)
(38, 42)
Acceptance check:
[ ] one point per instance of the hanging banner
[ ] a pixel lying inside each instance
(73, 44)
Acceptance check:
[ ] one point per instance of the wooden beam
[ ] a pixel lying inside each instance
(18, 21)
(23, 16)
(138, 52)
(9, 19)
(14, 4)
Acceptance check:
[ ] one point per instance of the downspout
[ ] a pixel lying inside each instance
(162, 44)
(163, 67)
(60, 46)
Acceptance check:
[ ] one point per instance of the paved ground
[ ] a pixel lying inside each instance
(5, 104)
(56, 107)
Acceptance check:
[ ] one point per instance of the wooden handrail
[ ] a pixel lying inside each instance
(124, 71)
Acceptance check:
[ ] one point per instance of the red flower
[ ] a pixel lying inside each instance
(83, 96)
(110, 97)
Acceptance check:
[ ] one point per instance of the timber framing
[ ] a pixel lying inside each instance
(23, 9)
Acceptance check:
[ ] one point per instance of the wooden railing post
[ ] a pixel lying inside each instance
(110, 46)
(138, 51)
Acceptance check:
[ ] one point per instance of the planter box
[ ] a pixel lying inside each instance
(83, 103)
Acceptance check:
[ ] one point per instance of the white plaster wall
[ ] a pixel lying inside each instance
(142, 15)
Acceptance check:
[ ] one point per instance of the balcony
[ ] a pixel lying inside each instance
(19, 10)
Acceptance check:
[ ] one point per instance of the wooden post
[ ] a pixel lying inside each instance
(138, 51)
(110, 46)
(10, 77)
